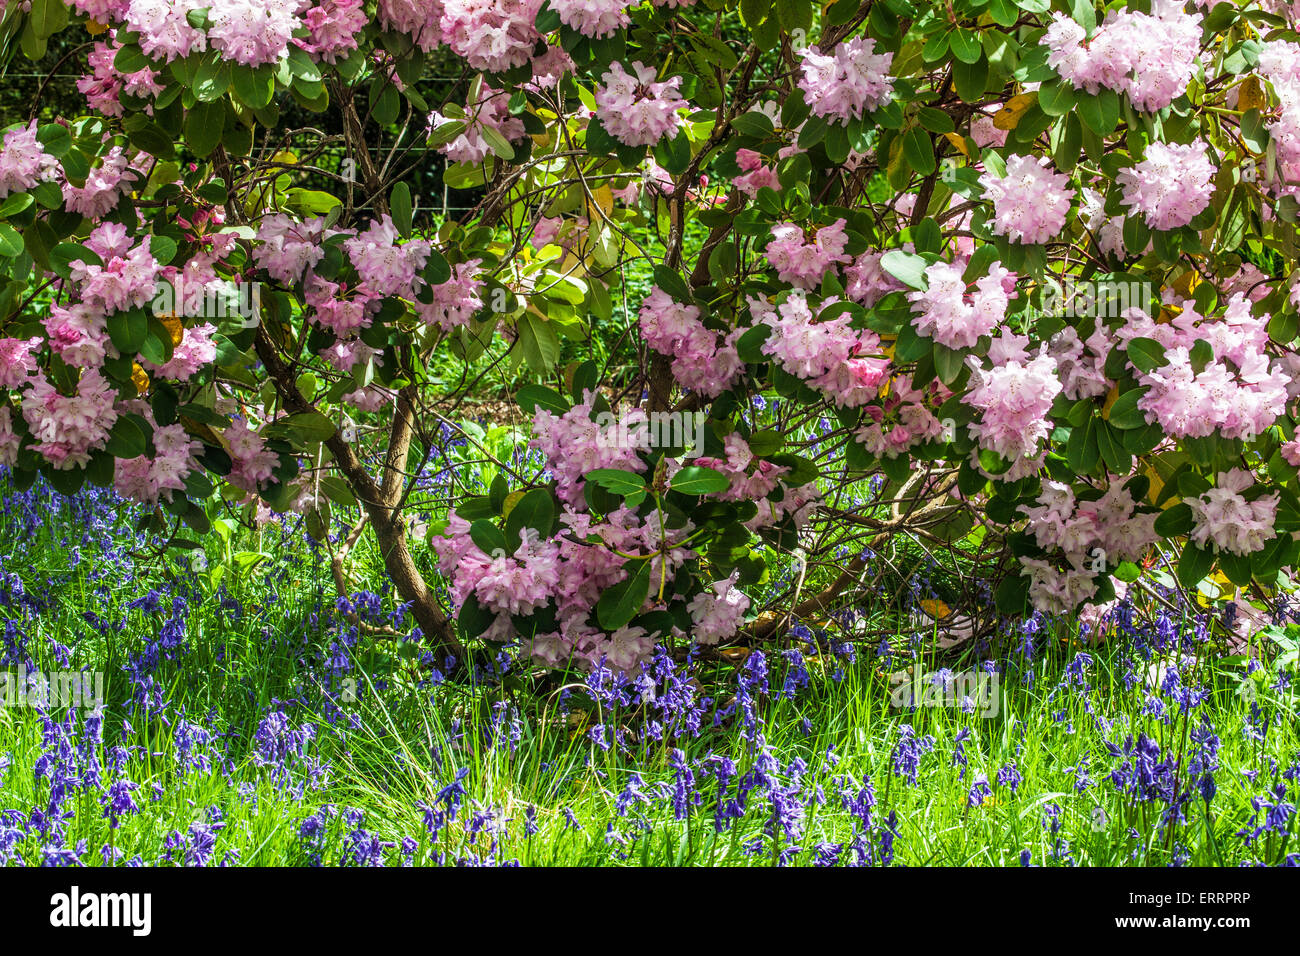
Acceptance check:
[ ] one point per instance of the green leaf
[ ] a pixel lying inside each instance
(402, 210)
(617, 481)
(1193, 566)
(126, 440)
(620, 604)
(1146, 354)
(533, 397)
(535, 510)
(203, 125)
(1174, 521)
(907, 268)
(699, 480)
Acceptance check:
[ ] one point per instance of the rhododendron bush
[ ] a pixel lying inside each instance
(1029, 263)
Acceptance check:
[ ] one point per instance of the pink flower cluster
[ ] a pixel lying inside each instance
(700, 362)
(867, 283)
(1013, 398)
(1081, 365)
(103, 87)
(128, 277)
(104, 188)
(24, 162)
(67, 428)
(751, 478)
(575, 444)
(849, 83)
(755, 173)
(1226, 520)
(1092, 533)
(333, 28)
(252, 463)
(1031, 202)
(593, 18)
(492, 35)
(490, 112)
(1237, 394)
(1171, 186)
(386, 266)
(803, 260)
(950, 316)
(286, 248)
(841, 362)
(572, 571)
(251, 32)
(146, 478)
(903, 419)
(635, 108)
(1149, 57)
(455, 301)
(718, 615)
(195, 352)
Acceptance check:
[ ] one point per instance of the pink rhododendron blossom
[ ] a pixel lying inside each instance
(288, 248)
(164, 27)
(849, 83)
(751, 477)
(1013, 399)
(593, 18)
(945, 312)
(635, 108)
(700, 362)
(9, 440)
(802, 259)
(18, 360)
(1148, 57)
(387, 267)
(492, 35)
(717, 615)
(252, 463)
(251, 32)
(334, 28)
(24, 162)
(755, 175)
(1238, 394)
(147, 479)
(1031, 202)
(105, 186)
(78, 335)
(66, 429)
(104, 86)
(455, 301)
(1171, 186)
(195, 352)
(491, 112)
(574, 445)
(843, 363)
(343, 311)
(1226, 520)
(903, 419)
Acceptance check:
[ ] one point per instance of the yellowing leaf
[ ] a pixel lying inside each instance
(139, 377)
(958, 143)
(935, 608)
(173, 325)
(512, 499)
(95, 28)
(1185, 285)
(1009, 116)
(1250, 94)
(1110, 400)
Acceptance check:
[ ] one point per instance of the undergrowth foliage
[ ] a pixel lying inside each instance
(1027, 264)
(259, 725)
